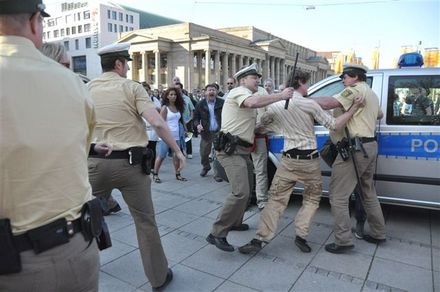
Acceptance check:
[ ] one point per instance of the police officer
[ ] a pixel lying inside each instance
(300, 162)
(120, 105)
(47, 120)
(343, 180)
(238, 119)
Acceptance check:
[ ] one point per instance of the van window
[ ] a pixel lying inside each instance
(413, 100)
(334, 88)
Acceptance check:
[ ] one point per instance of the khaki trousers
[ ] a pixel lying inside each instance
(239, 170)
(108, 174)
(342, 184)
(288, 173)
(205, 150)
(259, 158)
(69, 267)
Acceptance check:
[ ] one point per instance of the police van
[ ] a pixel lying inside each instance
(408, 164)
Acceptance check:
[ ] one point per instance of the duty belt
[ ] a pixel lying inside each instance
(301, 154)
(116, 154)
(363, 139)
(23, 242)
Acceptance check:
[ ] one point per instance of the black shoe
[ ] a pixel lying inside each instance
(359, 231)
(301, 243)
(253, 246)
(370, 239)
(334, 248)
(218, 179)
(220, 242)
(115, 209)
(204, 172)
(167, 281)
(241, 227)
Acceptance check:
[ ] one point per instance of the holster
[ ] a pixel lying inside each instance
(218, 141)
(142, 156)
(147, 161)
(93, 224)
(343, 149)
(10, 261)
(230, 144)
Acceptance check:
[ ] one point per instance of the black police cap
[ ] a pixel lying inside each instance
(22, 6)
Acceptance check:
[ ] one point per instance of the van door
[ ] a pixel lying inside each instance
(408, 164)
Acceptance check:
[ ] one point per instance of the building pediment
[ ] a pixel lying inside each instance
(137, 37)
(271, 44)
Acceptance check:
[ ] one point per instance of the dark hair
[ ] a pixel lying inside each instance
(179, 84)
(300, 76)
(146, 85)
(108, 63)
(360, 74)
(179, 103)
(211, 85)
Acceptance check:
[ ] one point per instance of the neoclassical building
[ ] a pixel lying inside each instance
(201, 55)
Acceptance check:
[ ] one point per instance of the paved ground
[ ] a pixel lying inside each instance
(185, 211)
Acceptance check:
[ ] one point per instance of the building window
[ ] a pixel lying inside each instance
(114, 15)
(131, 18)
(126, 17)
(131, 28)
(79, 65)
(44, 35)
(73, 29)
(48, 34)
(62, 32)
(66, 45)
(88, 43)
(78, 16)
(121, 16)
(126, 28)
(108, 14)
(121, 28)
(50, 22)
(68, 18)
(116, 28)
(109, 27)
(80, 28)
(56, 33)
(76, 44)
(86, 14)
(68, 31)
(87, 27)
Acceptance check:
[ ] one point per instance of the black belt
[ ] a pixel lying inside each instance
(363, 139)
(22, 241)
(118, 154)
(301, 154)
(244, 143)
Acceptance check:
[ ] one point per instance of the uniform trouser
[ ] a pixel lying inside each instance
(239, 170)
(342, 184)
(108, 174)
(259, 158)
(288, 173)
(205, 149)
(69, 267)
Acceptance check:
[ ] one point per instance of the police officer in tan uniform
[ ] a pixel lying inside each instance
(361, 127)
(238, 119)
(47, 120)
(300, 162)
(120, 105)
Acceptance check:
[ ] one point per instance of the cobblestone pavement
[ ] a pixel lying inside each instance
(185, 211)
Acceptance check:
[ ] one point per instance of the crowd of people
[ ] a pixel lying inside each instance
(104, 135)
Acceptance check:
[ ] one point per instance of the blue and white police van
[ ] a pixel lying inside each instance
(408, 164)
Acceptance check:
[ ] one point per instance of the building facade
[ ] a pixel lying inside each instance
(201, 55)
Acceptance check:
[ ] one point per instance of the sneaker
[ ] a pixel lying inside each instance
(334, 248)
(359, 231)
(167, 281)
(371, 239)
(220, 243)
(301, 243)
(253, 246)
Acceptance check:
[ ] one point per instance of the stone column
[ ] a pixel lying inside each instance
(130, 72)
(145, 65)
(157, 80)
(272, 68)
(189, 72)
(240, 62)
(207, 67)
(199, 68)
(284, 72)
(225, 69)
(217, 68)
(233, 65)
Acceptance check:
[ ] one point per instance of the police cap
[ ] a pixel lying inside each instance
(250, 70)
(22, 6)
(115, 50)
(353, 68)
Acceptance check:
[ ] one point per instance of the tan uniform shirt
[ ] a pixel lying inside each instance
(363, 122)
(297, 122)
(119, 103)
(46, 122)
(261, 110)
(237, 120)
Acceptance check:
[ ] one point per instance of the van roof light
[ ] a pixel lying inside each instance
(410, 60)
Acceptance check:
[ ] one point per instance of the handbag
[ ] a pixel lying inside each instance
(328, 152)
